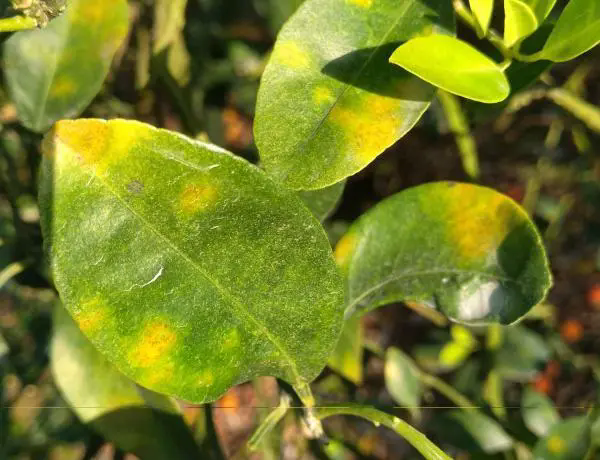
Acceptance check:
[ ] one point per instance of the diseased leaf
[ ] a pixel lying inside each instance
(347, 358)
(454, 66)
(135, 419)
(466, 250)
(482, 9)
(55, 72)
(566, 440)
(323, 202)
(538, 412)
(199, 271)
(577, 30)
(523, 17)
(330, 80)
(402, 380)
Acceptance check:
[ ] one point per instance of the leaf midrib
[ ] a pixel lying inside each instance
(238, 306)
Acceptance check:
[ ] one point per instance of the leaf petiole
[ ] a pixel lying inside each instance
(17, 23)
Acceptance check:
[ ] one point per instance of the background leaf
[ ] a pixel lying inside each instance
(329, 78)
(466, 250)
(402, 380)
(55, 72)
(200, 272)
(347, 358)
(323, 202)
(482, 9)
(169, 20)
(454, 66)
(577, 30)
(567, 440)
(523, 17)
(135, 419)
(538, 412)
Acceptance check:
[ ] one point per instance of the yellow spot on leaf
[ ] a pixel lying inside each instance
(197, 197)
(344, 249)
(291, 55)
(361, 3)
(556, 444)
(92, 12)
(63, 87)
(232, 339)
(160, 375)
(206, 378)
(323, 95)
(370, 127)
(154, 343)
(91, 315)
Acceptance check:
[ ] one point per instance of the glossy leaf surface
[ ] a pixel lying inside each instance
(523, 17)
(55, 72)
(187, 267)
(347, 358)
(577, 30)
(135, 419)
(466, 250)
(323, 202)
(566, 440)
(538, 412)
(482, 9)
(454, 66)
(402, 380)
(329, 101)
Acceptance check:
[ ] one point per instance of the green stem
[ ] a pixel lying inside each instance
(269, 422)
(442, 387)
(11, 270)
(17, 23)
(418, 440)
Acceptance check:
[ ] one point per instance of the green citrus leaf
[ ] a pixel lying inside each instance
(523, 17)
(323, 202)
(200, 271)
(454, 66)
(169, 21)
(135, 419)
(566, 440)
(482, 9)
(330, 80)
(55, 72)
(402, 380)
(347, 358)
(467, 250)
(538, 412)
(523, 353)
(577, 30)
(485, 431)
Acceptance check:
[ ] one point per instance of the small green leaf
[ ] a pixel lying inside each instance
(566, 440)
(323, 202)
(482, 9)
(522, 355)
(466, 250)
(538, 412)
(200, 271)
(486, 432)
(169, 21)
(454, 66)
(55, 72)
(327, 107)
(135, 419)
(577, 30)
(402, 380)
(523, 17)
(347, 358)
(493, 393)
(454, 353)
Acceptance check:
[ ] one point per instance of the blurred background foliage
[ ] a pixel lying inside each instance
(194, 66)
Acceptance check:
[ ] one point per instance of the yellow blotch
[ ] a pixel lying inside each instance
(344, 249)
(231, 339)
(291, 55)
(92, 12)
(62, 87)
(92, 315)
(556, 444)
(490, 219)
(361, 3)
(322, 95)
(197, 197)
(370, 127)
(206, 378)
(154, 342)
(163, 374)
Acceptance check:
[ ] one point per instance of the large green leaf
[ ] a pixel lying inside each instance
(567, 440)
(189, 268)
(482, 9)
(577, 31)
(135, 419)
(329, 102)
(402, 380)
(454, 66)
(523, 17)
(538, 412)
(55, 72)
(466, 250)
